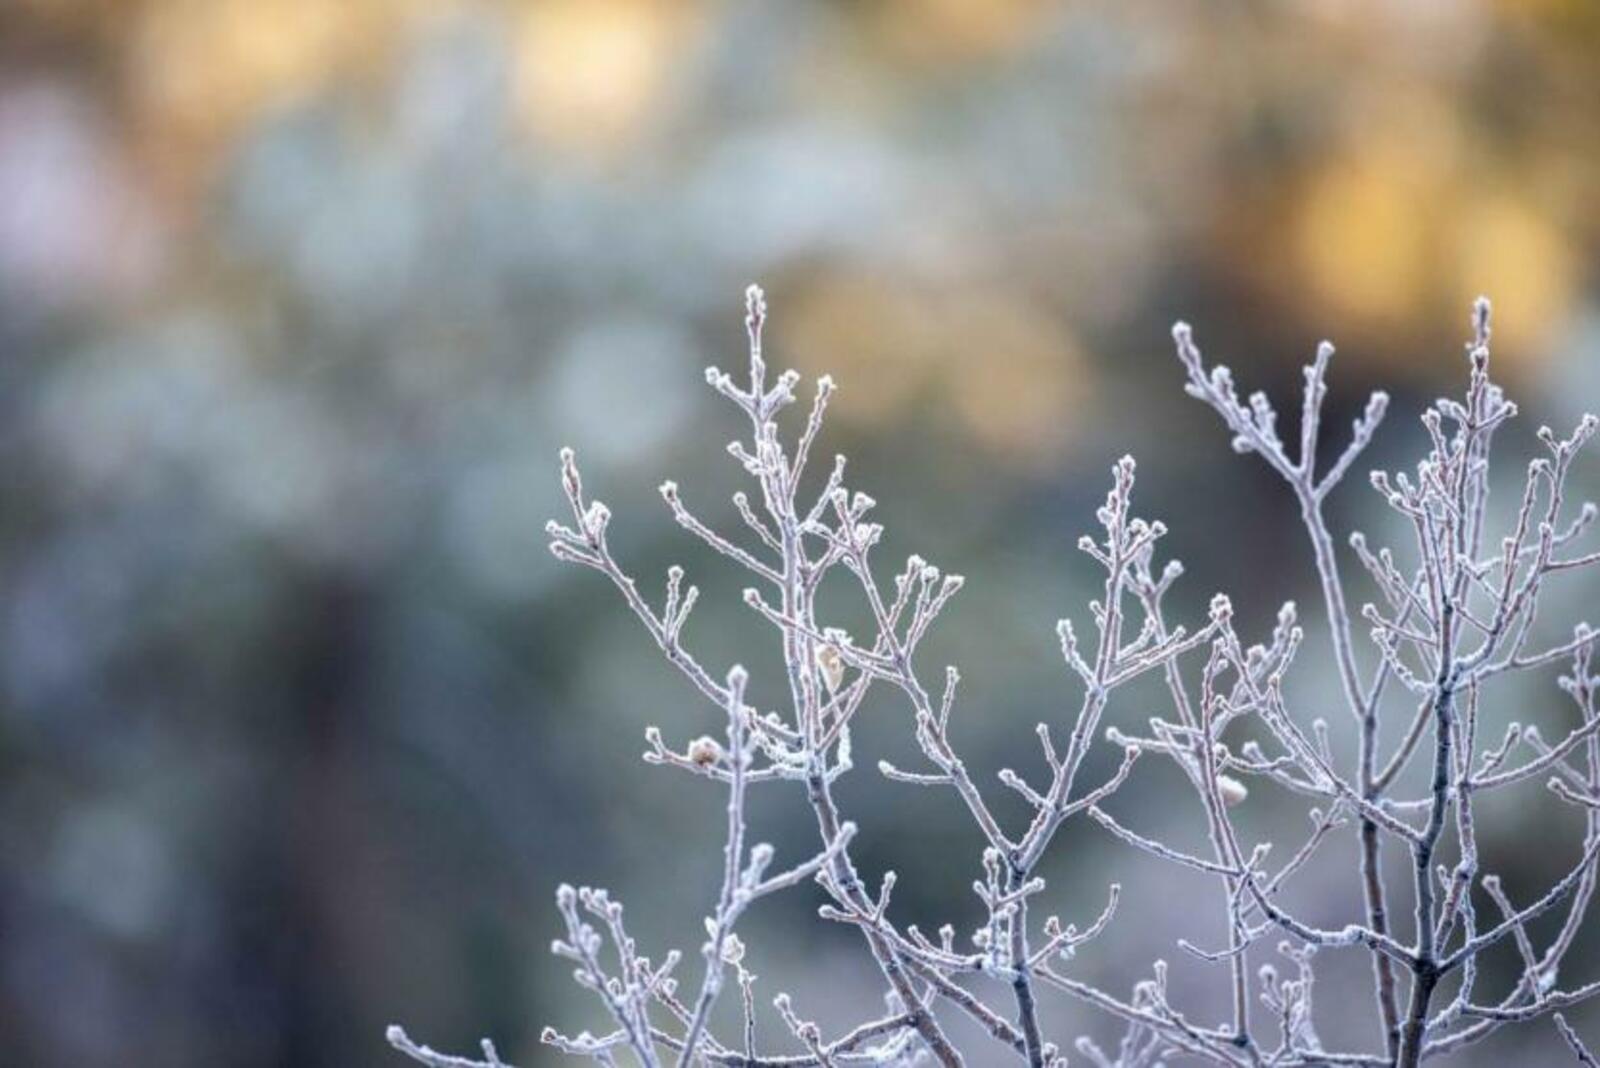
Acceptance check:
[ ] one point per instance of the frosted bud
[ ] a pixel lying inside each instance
(732, 944)
(831, 665)
(704, 751)
(1231, 790)
(1221, 608)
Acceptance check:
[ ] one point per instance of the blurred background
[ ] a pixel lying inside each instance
(300, 725)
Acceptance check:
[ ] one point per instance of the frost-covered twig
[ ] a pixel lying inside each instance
(1575, 1043)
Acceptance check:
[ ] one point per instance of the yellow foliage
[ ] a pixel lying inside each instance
(1409, 220)
(205, 65)
(1508, 248)
(940, 31)
(1013, 375)
(590, 72)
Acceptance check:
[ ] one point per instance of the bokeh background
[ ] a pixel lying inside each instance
(300, 725)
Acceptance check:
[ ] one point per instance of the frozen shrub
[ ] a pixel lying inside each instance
(1456, 610)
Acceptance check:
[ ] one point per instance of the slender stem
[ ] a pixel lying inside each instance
(1022, 978)
(799, 656)
(733, 857)
(1367, 715)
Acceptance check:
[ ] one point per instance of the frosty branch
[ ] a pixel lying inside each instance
(1454, 611)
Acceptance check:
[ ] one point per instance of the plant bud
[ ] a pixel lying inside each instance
(1231, 790)
(832, 667)
(704, 751)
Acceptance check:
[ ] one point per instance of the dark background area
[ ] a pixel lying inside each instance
(300, 725)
